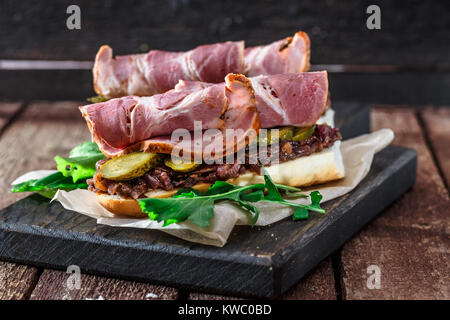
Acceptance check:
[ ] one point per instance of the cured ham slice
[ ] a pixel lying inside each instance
(288, 55)
(159, 71)
(294, 99)
(291, 99)
(129, 124)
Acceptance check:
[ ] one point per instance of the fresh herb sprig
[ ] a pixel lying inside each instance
(190, 204)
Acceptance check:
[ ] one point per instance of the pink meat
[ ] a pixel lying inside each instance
(133, 123)
(288, 55)
(158, 71)
(295, 99)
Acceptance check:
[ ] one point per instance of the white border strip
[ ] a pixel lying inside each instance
(87, 65)
(45, 65)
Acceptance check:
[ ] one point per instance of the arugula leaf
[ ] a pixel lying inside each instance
(291, 192)
(251, 208)
(48, 185)
(184, 191)
(220, 187)
(254, 196)
(199, 211)
(300, 210)
(191, 204)
(316, 197)
(300, 213)
(81, 161)
(272, 191)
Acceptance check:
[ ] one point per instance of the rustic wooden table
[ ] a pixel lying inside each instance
(409, 241)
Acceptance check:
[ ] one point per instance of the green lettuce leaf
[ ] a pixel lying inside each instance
(48, 185)
(81, 161)
(79, 165)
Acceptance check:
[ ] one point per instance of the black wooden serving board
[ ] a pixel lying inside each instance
(264, 261)
(255, 262)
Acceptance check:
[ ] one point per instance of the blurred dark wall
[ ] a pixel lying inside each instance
(413, 32)
(407, 61)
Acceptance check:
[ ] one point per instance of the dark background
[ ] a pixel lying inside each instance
(407, 61)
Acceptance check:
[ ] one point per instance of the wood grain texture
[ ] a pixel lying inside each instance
(41, 132)
(16, 281)
(409, 241)
(338, 31)
(318, 285)
(437, 124)
(7, 111)
(52, 285)
(207, 296)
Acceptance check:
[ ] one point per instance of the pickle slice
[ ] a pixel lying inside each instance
(180, 165)
(303, 133)
(284, 133)
(129, 166)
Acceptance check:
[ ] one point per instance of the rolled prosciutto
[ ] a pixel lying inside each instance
(288, 55)
(290, 99)
(159, 71)
(132, 123)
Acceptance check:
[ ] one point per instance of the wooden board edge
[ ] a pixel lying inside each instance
(286, 261)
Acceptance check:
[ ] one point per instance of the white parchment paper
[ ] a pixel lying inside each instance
(357, 154)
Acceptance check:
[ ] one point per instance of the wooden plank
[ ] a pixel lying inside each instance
(43, 131)
(7, 111)
(317, 285)
(39, 31)
(409, 242)
(437, 124)
(207, 296)
(30, 143)
(269, 260)
(53, 285)
(16, 281)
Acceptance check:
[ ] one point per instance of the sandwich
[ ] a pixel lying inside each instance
(200, 134)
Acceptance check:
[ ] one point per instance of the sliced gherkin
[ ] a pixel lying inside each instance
(303, 133)
(284, 133)
(129, 166)
(180, 165)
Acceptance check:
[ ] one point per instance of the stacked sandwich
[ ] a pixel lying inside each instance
(172, 121)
